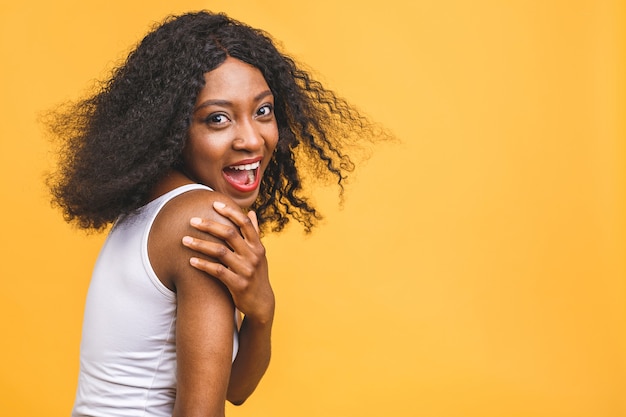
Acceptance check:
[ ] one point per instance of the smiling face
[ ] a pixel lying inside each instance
(233, 132)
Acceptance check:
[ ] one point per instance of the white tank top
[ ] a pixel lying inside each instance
(128, 347)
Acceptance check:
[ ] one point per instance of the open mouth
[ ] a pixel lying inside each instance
(243, 177)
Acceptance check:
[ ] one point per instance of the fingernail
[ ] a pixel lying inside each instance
(195, 221)
(219, 205)
(187, 240)
(193, 261)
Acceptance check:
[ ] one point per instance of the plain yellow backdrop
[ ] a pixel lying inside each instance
(476, 269)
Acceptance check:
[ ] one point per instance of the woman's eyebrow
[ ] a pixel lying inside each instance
(211, 102)
(262, 95)
(227, 103)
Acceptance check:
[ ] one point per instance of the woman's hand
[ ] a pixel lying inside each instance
(242, 264)
(242, 267)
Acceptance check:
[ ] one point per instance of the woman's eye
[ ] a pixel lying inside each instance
(217, 119)
(265, 110)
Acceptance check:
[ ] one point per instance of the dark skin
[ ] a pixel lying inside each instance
(205, 322)
(250, 290)
(231, 139)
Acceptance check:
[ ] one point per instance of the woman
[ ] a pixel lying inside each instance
(206, 119)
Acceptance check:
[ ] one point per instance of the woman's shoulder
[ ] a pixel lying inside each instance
(191, 202)
(165, 249)
(184, 196)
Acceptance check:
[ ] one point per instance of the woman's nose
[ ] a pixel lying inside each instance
(248, 136)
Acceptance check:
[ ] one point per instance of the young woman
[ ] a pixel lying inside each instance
(205, 121)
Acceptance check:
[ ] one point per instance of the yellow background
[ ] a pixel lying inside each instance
(476, 269)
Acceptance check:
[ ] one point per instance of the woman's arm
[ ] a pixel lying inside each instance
(243, 269)
(205, 320)
(204, 345)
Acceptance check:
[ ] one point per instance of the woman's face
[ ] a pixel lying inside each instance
(233, 132)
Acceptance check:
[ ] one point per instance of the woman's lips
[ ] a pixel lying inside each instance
(243, 177)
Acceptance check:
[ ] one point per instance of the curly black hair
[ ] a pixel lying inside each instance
(120, 141)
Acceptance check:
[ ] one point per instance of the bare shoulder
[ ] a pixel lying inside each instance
(168, 257)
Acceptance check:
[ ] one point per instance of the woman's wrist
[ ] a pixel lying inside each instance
(261, 319)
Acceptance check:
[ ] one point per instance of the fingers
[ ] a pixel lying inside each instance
(239, 249)
(248, 226)
(229, 234)
(222, 269)
(255, 221)
(236, 257)
(219, 230)
(214, 269)
(213, 250)
(240, 258)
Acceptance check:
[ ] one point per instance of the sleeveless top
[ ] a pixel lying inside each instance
(128, 346)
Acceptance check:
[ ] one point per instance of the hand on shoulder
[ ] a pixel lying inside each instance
(241, 265)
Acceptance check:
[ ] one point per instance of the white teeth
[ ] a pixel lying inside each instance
(246, 167)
